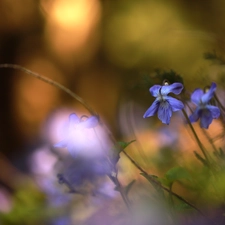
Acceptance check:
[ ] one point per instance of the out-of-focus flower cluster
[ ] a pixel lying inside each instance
(89, 149)
(81, 138)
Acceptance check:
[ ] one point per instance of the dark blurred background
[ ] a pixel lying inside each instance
(98, 49)
(101, 50)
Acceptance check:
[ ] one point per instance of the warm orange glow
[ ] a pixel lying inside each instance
(71, 13)
(34, 99)
(70, 23)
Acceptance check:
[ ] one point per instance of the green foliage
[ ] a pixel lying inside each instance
(214, 57)
(182, 206)
(176, 174)
(171, 76)
(123, 145)
(117, 149)
(200, 158)
(28, 208)
(165, 158)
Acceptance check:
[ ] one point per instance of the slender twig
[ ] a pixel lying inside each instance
(210, 140)
(153, 180)
(51, 82)
(113, 176)
(79, 99)
(119, 188)
(219, 136)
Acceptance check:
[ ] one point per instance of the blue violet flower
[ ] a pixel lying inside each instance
(204, 110)
(164, 105)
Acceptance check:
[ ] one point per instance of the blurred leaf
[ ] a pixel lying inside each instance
(28, 207)
(219, 154)
(123, 145)
(176, 173)
(212, 56)
(129, 186)
(115, 151)
(171, 76)
(200, 159)
(183, 206)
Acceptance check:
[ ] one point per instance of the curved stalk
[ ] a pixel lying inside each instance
(79, 99)
(51, 82)
(153, 180)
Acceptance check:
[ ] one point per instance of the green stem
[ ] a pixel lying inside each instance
(153, 180)
(196, 137)
(205, 133)
(121, 190)
(210, 140)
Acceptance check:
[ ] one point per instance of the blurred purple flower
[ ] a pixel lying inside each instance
(164, 105)
(204, 111)
(89, 145)
(80, 137)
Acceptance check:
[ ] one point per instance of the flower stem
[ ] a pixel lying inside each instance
(153, 180)
(210, 140)
(121, 190)
(196, 137)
